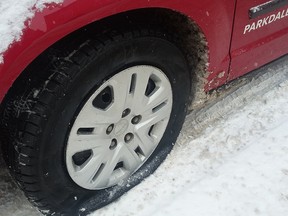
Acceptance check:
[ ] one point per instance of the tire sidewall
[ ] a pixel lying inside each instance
(108, 61)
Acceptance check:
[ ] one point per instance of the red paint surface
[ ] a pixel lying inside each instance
(56, 21)
(215, 18)
(256, 48)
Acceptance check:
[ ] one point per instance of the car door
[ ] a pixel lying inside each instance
(260, 34)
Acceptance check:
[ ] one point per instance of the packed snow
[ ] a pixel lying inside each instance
(12, 18)
(235, 162)
(230, 159)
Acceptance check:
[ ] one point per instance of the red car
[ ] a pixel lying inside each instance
(94, 93)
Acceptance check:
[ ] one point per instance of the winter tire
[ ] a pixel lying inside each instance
(97, 121)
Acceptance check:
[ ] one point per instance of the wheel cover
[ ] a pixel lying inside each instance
(119, 127)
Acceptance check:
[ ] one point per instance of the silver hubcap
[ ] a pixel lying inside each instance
(119, 127)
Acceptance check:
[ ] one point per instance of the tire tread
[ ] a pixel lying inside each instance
(29, 110)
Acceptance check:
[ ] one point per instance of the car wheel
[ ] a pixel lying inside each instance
(96, 121)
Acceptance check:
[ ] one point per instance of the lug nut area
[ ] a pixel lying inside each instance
(120, 128)
(128, 137)
(126, 112)
(109, 129)
(113, 144)
(136, 119)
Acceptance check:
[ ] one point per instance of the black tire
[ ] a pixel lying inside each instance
(37, 118)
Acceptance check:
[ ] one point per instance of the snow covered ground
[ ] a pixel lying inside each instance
(231, 160)
(235, 164)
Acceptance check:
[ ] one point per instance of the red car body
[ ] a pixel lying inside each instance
(238, 42)
(70, 133)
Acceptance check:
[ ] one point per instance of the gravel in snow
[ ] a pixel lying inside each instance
(237, 164)
(12, 18)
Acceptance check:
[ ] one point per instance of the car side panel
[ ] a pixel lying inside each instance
(258, 40)
(56, 21)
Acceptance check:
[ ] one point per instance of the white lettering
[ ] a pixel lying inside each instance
(271, 19)
(278, 16)
(246, 28)
(265, 21)
(283, 14)
(252, 27)
(259, 24)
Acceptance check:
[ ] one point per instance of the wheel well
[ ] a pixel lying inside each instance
(189, 38)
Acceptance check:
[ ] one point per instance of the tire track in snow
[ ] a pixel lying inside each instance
(199, 173)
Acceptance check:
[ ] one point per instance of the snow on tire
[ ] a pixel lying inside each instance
(95, 122)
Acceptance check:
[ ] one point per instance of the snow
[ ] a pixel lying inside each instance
(237, 166)
(231, 160)
(12, 18)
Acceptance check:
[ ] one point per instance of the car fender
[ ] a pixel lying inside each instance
(58, 20)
